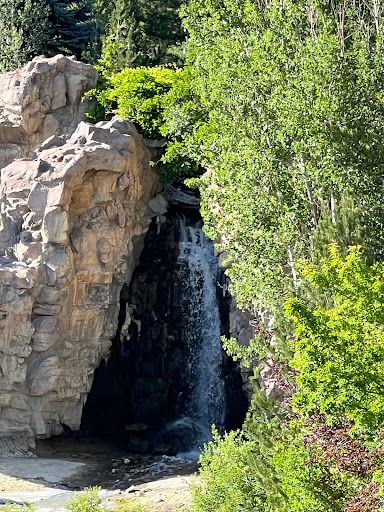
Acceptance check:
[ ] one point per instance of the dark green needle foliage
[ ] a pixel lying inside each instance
(143, 33)
(24, 31)
(71, 26)
(29, 28)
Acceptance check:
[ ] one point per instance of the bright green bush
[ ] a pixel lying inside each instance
(226, 482)
(339, 348)
(85, 501)
(151, 98)
(11, 507)
(139, 94)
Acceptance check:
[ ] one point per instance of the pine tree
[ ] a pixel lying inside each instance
(34, 27)
(160, 32)
(24, 31)
(101, 14)
(143, 33)
(120, 49)
(71, 27)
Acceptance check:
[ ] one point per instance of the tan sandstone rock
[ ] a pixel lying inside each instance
(40, 100)
(72, 223)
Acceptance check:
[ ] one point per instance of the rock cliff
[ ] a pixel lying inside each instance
(39, 100)
(73, 217)
(72, 225)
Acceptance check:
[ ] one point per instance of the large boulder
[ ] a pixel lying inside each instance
(41, 99)
(72, 224)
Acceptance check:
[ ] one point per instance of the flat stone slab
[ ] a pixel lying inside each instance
(46, 498)
(52, 471)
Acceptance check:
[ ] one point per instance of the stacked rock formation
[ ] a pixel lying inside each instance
(72, 224)
(39, 100)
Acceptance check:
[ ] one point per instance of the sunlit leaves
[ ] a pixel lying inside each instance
(290, 121)
(339, 348)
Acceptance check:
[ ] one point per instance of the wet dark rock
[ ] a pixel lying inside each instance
(146, 379)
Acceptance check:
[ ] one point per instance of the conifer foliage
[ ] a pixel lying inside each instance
(24, 31)
(35, 27)
(143, 33)
(71, 26)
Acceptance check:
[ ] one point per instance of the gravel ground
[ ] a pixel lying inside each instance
(165, 495)
(48, 480)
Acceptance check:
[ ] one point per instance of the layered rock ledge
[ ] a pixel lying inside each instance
(72, 224)
(39, 100)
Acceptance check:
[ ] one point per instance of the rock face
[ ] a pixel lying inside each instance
(72, 225)
(39, 100)
(141, 392)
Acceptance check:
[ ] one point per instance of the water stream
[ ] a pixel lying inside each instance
(167, 381)
(198, 271)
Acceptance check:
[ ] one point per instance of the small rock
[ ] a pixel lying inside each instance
(127, 461)
(157, 500)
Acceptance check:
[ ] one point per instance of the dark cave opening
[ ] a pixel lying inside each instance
(144, 385)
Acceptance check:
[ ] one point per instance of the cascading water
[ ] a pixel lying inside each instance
(167, 380)
(198, 273)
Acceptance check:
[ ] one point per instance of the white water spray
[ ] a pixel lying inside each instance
(198, 271)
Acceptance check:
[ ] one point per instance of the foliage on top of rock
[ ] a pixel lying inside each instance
(139, 94)
(32, 28)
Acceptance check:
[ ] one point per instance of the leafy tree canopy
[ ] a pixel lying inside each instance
(290, 99)
(339, 348)
(139, 94)
(325, 454)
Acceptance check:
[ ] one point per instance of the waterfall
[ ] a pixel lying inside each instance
(198, 271)
(167, 380)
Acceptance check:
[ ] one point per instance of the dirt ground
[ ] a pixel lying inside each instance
(61, 467)
(164, 495)
(12, 484)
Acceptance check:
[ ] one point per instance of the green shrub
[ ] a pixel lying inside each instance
(339, 345)
(138, 94)
(226, 483)
(85, 501)
(11, 507)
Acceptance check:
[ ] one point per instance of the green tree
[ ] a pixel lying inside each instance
(139, 94)
(24, 31)
(339, 347)
(120, 44)
(160, 33)
(143, 33)
(291, 108)
(101, 16)
(29, 28)
(225, 482)
(71, 27)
